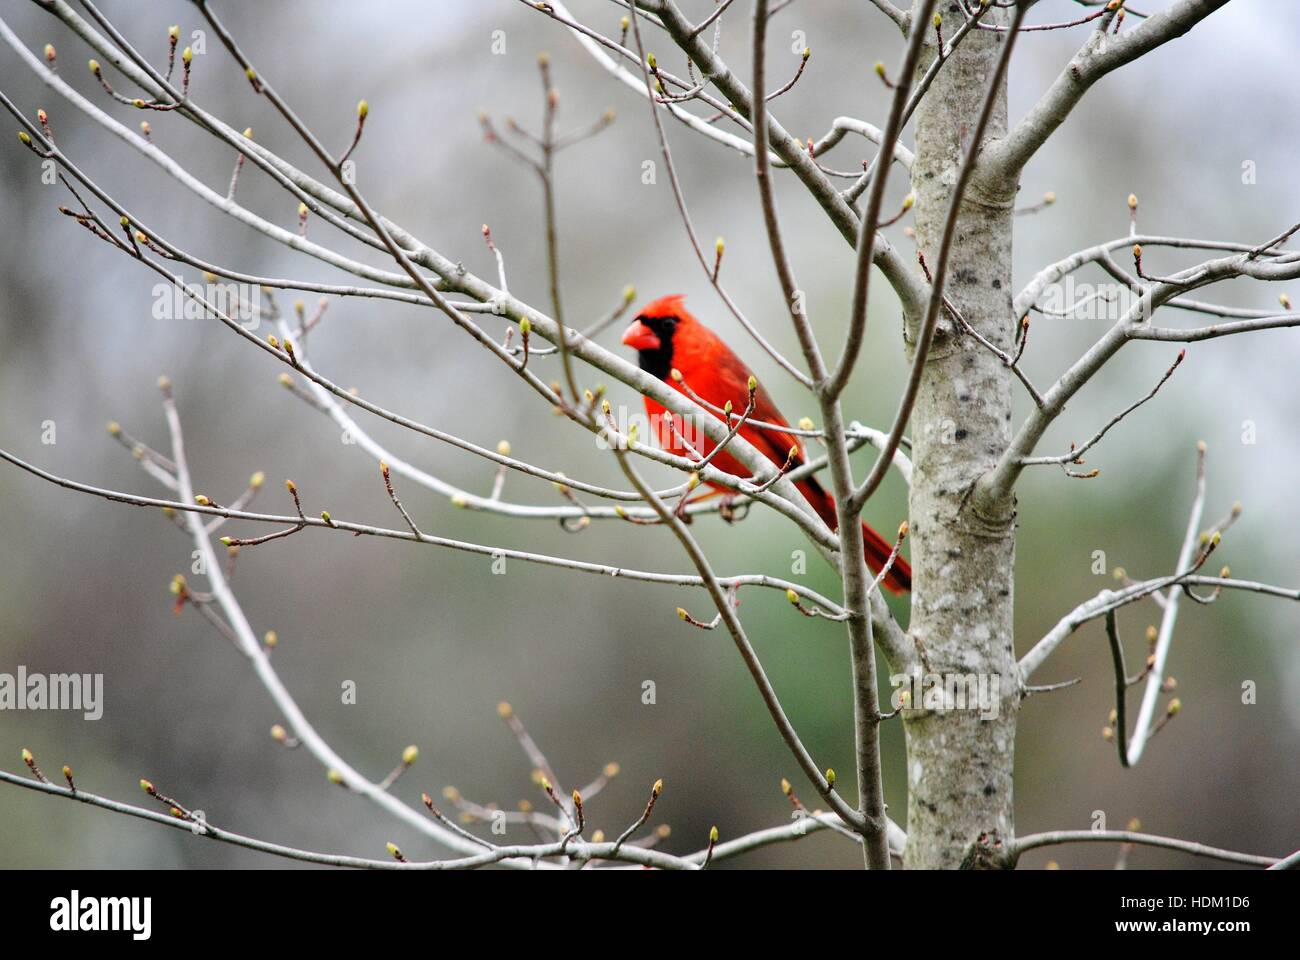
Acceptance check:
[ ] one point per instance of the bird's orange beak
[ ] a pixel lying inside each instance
(640, 337)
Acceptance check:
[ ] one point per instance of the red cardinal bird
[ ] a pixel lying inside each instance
(666, 337)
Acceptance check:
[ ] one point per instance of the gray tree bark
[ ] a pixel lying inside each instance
(959, 765)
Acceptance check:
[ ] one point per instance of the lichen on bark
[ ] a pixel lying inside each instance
(959, 764)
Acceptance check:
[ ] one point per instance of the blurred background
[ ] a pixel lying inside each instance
(432, 640)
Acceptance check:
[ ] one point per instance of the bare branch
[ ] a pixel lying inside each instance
(900, 17)
(866, 240)
(995, 485)
(525, 855)
(794, 153)
(1121, 687)
(871, 832)
(1108, 600)
(361, 529)
(1278, 321)
(1077, 452)
(256, 653)
(926, 328)
(1165, 637)
(1100, 55)
(841, 126)
(762, 175)
(1033, 841)
(680, 199)
(464, 281)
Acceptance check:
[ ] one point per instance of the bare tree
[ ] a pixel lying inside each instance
(959, 683)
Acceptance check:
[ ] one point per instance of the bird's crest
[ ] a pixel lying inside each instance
(669, 306)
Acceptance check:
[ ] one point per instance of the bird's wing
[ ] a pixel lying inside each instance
(713, 371)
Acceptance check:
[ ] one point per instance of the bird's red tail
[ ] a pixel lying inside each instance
(876, 548)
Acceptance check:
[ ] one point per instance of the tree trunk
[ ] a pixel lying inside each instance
(960, 762)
